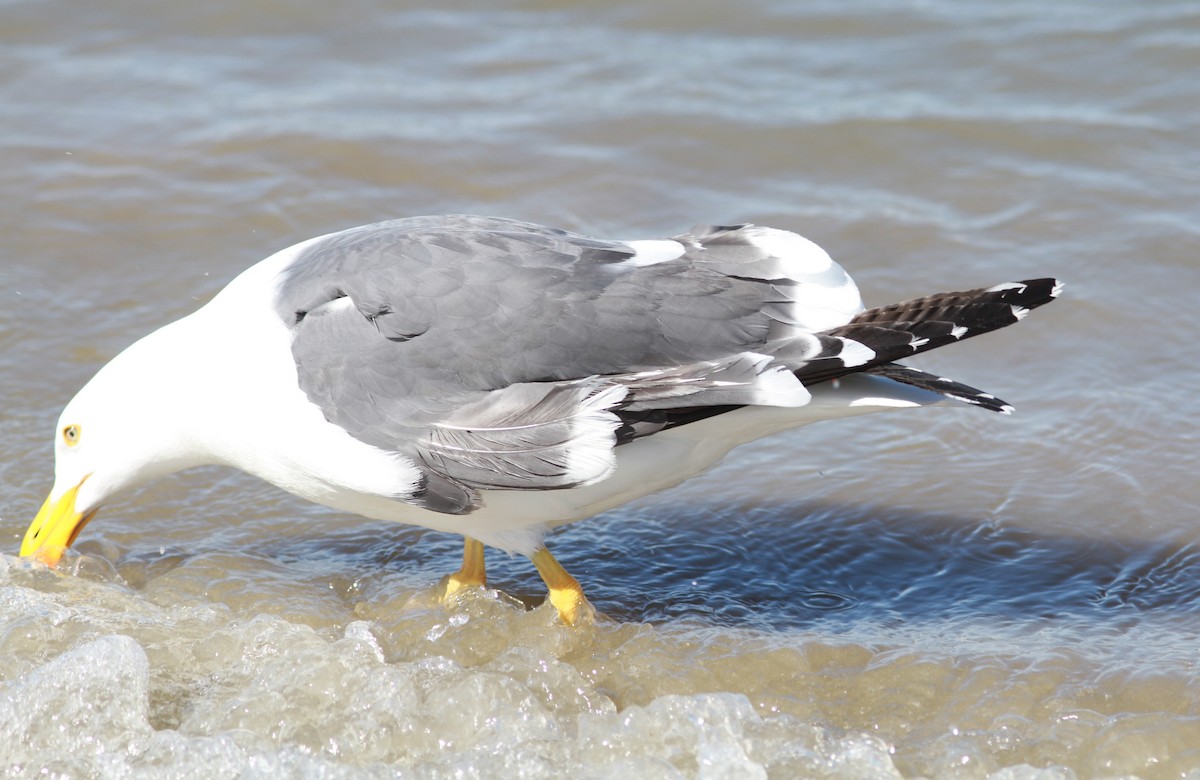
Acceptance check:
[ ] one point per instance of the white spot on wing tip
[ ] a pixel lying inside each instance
(855, 353)
(890, 403)
(590, 456)
(1057, 289)
(778, 386)
(821, 293)
(334, 306)
(652, 252)
(802, 256)
(1006, 286)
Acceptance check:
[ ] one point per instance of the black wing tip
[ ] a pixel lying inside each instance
(943, 386)
(987, 401)
(1029, 293)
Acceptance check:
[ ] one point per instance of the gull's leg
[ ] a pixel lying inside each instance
(565, 593)
(473, 573)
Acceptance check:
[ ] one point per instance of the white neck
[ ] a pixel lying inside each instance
(242, 382)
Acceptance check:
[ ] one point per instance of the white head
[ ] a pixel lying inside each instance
(127, 426)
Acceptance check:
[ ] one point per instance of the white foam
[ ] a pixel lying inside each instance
(90, 700)
(195, 687)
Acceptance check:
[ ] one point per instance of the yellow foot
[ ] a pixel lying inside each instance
(565, 593)
(573, 607)
(473, 574)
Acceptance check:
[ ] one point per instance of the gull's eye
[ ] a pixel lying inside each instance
(70, 435)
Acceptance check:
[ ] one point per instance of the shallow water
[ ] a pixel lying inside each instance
(942, 593)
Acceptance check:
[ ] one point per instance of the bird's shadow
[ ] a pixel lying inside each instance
(808, 564)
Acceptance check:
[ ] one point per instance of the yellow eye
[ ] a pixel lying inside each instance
(71, 435)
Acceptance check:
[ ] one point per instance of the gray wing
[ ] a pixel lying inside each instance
(500, 354)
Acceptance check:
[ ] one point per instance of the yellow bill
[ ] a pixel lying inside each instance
(55, 528)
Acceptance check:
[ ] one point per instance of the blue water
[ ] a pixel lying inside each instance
(879, 597)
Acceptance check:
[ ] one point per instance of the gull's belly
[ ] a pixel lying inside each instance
(515, 520)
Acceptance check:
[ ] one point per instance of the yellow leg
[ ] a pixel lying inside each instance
(565, 593)
(473, 573)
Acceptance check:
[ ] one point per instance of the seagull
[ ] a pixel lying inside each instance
(496, 378)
